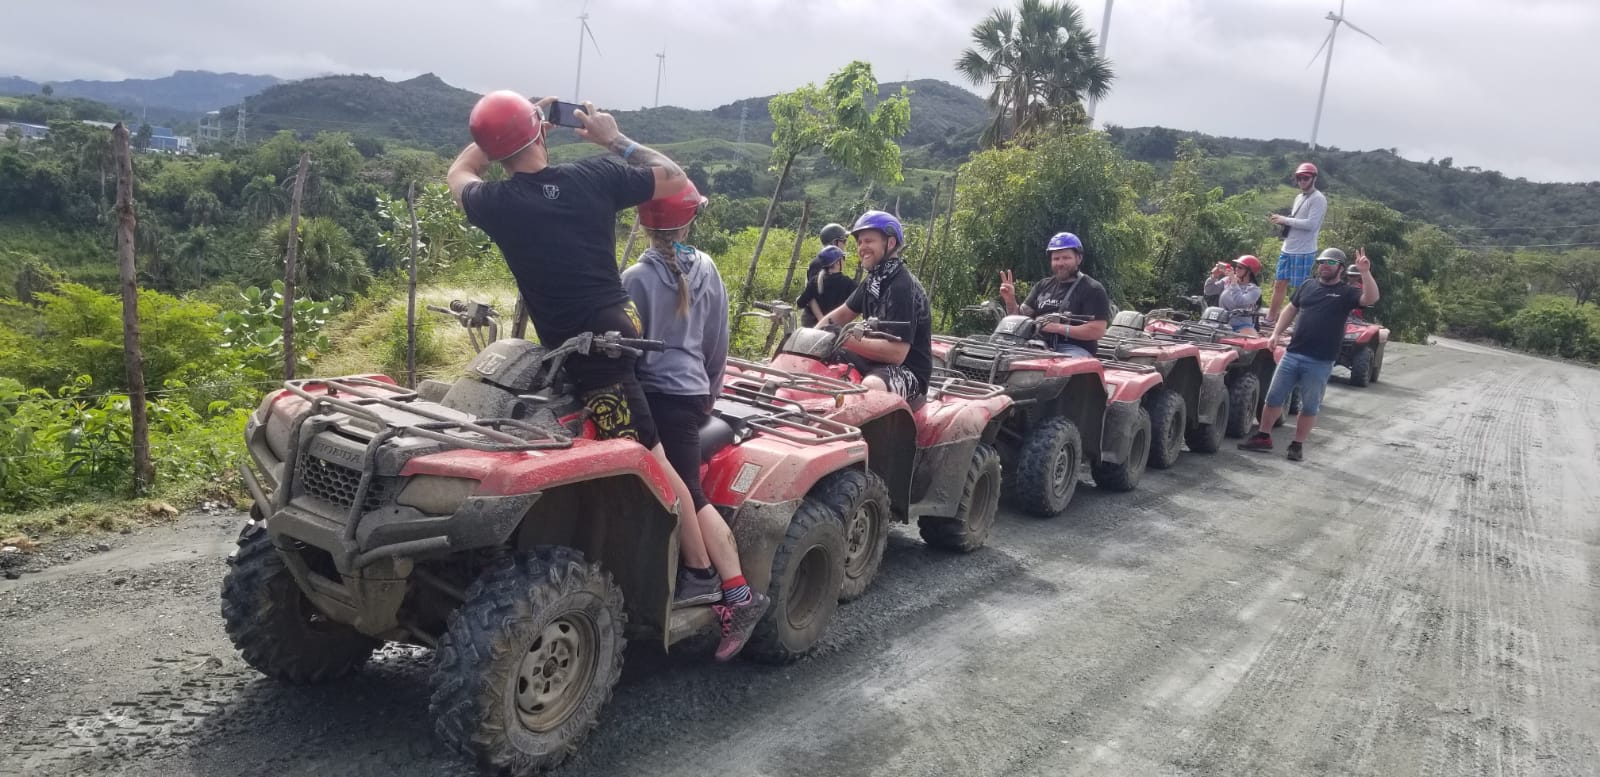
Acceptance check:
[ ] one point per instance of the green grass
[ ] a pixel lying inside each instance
(113, 514)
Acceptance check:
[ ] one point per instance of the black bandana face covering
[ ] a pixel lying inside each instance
(882, 274)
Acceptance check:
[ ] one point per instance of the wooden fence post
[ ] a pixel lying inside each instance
(411, 291)
(144, 473)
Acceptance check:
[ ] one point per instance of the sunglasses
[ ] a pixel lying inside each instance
(1328, 262)
(1304, 177)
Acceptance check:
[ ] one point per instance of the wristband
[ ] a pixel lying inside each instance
(629, 150)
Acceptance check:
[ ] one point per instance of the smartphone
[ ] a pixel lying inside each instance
(560, 114)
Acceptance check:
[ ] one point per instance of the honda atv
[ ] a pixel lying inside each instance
(933, 457)
(489, 524)
(1362, 350)
(1248, 375)
(1069, 410)
(1192, 404)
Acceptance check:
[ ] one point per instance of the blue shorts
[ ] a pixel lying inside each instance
(1295, 268)
(1304, 373)
(1071, 349)
(1243, 325)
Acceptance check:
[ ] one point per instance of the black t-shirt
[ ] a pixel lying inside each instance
(1082, 296)
(1319, 320)
(892, 293)
(557, 229)
(836, 288)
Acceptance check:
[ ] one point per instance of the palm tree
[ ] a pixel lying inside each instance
(1040, 62)
(262, 198)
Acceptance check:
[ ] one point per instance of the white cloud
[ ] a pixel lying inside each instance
(1503, 84)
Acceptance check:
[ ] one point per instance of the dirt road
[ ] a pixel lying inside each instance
(1418, 598)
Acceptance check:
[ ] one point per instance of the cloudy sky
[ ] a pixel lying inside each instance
(1502, 84)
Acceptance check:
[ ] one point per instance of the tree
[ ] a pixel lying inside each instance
(1011, 200)
(327, 263)
(263, 199)
(47, 90)
(1577, 270)
(141, 140)
(1040, 63)
(1195, 229)
(838, 119)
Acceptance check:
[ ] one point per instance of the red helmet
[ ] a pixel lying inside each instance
(504, 122)
(1304, 168)
(673, 211)
(1250, 263)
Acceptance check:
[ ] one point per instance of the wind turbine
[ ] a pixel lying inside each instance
(661, 67)
(1327, 43)
(583, 29)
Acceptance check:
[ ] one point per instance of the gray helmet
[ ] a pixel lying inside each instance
(833, 233)
(1335, 254)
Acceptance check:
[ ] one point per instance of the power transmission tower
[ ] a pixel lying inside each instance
(744, 114)
(238, 133)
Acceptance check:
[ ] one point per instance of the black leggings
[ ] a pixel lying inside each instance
(678, 420)
(609, 388)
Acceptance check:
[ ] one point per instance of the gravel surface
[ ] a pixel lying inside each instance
(1417, 598)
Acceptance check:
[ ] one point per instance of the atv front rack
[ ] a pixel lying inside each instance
(481, 434)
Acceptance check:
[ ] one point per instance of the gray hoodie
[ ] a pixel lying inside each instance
(697, 342)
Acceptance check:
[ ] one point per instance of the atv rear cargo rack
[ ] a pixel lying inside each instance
(491, 434)
(785, 419)
(772, 378)
(956, 384)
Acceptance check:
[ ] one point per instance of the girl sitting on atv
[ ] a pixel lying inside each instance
(1238, 291)
(682, 303)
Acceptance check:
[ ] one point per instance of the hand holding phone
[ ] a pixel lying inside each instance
(561, 114)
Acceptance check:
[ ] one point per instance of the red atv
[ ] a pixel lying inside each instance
(1248, 375)
(1362, 350)
(934, 457)
(1192, 405)
(1068, 410)
(485, 521)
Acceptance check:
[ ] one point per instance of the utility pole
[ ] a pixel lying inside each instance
(289, 266)
(144, 471)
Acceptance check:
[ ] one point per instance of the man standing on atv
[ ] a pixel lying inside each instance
(1067, 291)
(827, 287)
(556, 226)
(1300, 229)
(1321, 306)
(890, 293)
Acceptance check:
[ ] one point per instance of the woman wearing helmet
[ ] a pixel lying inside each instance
(827, 287)
(891, 293)
(1238, 291)
(682, 303)
(1067, 291)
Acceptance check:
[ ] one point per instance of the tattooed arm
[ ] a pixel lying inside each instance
(600, 128)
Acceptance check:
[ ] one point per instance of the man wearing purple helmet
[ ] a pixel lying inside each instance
(890, 293)
(1067, 291)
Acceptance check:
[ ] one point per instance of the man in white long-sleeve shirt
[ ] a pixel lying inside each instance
(1304, 222)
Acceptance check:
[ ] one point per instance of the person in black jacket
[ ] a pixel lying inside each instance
(827, 287)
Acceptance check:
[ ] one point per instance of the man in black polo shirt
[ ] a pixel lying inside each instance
(1066, 291)
(890, 293)
(1317, 312)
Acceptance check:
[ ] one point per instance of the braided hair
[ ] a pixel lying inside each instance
(665, 242)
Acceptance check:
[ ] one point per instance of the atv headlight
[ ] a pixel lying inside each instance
(1025, 379)
(435, 494)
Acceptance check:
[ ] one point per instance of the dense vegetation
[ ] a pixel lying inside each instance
(213, 231)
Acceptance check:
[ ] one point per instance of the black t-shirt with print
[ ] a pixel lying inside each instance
(892, 293)
(1319, 321)
(557, 230)
(836, 288)
(1081, 296)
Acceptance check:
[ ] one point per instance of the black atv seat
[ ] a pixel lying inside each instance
(714, 436)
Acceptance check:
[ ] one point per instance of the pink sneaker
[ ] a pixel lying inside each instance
(738, 621)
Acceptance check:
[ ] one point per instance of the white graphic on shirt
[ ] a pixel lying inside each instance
(552, 191)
